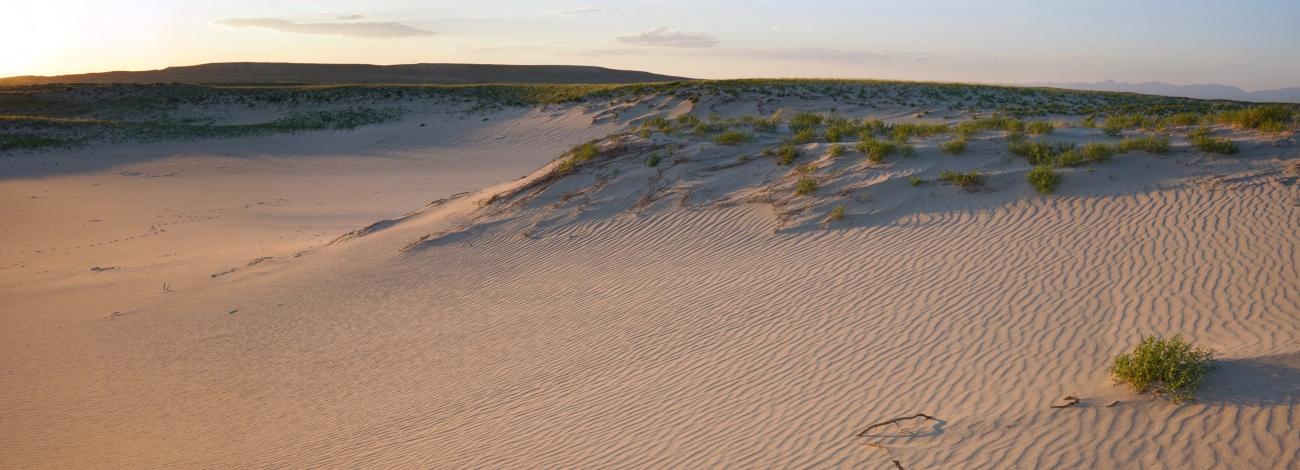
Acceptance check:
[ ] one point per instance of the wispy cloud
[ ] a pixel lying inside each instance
(585, 10)
(367, 30)
(780, 28)
(354, 16)
(664, 37)
(819, 54)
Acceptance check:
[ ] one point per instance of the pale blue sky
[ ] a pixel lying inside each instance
(1250, 44)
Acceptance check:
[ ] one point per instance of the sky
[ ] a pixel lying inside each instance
(1251, 44)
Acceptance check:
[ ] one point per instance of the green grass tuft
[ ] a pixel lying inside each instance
(1165, 367)
(954, 146)
(786, 155)
(732, 138)
(967, 180)
(806, 185)
(1043, 178)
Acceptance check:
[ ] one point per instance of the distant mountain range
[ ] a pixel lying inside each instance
(1210, 91)
(269, 72)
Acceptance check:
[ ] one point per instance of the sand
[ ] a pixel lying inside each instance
(693, 314)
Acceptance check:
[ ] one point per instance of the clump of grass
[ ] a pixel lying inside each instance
(1198, 132)
(1166, 367)
(806, 185)
(1039, 127)
(1097, 151)
(967, 180)
(807, 169)
(1043, 178)
(836, 214)
(877, 150)
(1258, 117)
(732, 138)
(1149, 144)
(1205, 143)
(804, 121)
(915, 180)
(969, 128)
(658, 123)
(954, 146)
(653, 160)
(803, 136)
(904, 131)
(836, 150)
(760, 124)
(786, 154)
(688, 120)
(1038, 153)
(1181, 119)
(577, 155)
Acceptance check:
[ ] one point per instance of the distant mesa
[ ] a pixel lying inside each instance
(269, 72)
(1209, 91)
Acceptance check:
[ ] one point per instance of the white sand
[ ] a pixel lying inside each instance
(679, 316)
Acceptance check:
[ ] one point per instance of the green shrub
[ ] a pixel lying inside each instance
(954, 146)
(577, 155)
(1038, 153)
(1097, 151)
(786, 154)
(653, 160)
(732, 138)
(915, 180)
(805, 121)
(836, 214)
(803, 136)
(1255, 117)
(1166, 367)
(965, 180)
(836, 150)
(759, 124)
(904, 131)
(1039, 127)
(1043, 178)
(1181, 119)
(877, 150)
(1214, 145)
(688, 120)
(806, 185)
(1149, 144)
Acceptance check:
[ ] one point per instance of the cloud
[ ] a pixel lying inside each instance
(368, 29)
(354, 16)
(818, 54)
(664, 37)
(587, 10)
(780, 28)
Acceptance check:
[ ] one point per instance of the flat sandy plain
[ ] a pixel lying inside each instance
(217, 302)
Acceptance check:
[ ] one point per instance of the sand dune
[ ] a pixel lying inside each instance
(696, 313)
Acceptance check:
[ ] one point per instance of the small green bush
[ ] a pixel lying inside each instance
(877, 150)
(653, 160)
(915, 180)
(577, 155)
(806, 185)
(803, 136)
(1205, 143)
(1166, 367)
(836, 214)
(965, 180)
(732, 138)
(1043, 178)
(954, 146)
(836, 150)
(805, 121)
(1039, 127)
(1149, 144)
(786, 154)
